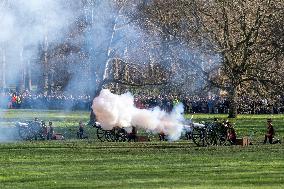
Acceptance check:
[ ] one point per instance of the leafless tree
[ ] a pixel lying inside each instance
(237, 34)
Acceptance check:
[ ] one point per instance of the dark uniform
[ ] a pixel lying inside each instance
(232, 136)
(162, 136)
(80, 133)
(44, 130)
(50, 131)
(269, 133)
(133, 135)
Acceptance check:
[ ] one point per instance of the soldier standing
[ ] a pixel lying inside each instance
(44, 130)
(36, 128)
(50, 131)
(80, 133)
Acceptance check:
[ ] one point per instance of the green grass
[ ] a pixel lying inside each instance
(92, 164)
(60, 118)
(88, 164)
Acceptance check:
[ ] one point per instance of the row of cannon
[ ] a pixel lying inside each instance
(202, 134)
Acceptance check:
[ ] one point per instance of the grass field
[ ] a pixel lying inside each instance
(92, 164)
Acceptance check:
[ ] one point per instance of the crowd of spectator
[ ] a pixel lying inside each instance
(214, 105)
(192, 104)
(28, 100)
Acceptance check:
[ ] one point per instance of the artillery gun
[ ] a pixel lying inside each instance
(202, 134)
(114, 135)
(29, 130)
(208, 133)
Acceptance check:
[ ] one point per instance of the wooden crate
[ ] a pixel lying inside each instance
(58, 136)
(142, 139)
(242, 141)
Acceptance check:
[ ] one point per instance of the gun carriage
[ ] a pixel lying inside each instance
(209, 133)
(202, 134)
(30, 130)
(116, 134)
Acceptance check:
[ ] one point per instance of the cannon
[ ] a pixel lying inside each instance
(29, 130)
(36, 130)
(207, 133)
(24, 130)
(116, 134)
(202, 134)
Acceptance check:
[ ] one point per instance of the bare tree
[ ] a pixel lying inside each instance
(234, 34)
(237, 31)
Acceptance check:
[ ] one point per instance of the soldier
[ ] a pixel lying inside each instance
(270, 132)
(50, 131)
(162, 136)
(35, 128)
(232, 135)
(133, 135)
(80, 133)
(44, 130)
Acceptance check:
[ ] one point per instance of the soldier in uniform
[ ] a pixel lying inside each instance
(80, 133)
(44, 130)
(133, 135)
(232, 135)
(270, 132)
(162, 136)
(35, 128)
(50, 131)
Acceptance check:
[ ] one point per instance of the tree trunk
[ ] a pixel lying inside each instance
(4, 70)
(233, 105)
(28, 81)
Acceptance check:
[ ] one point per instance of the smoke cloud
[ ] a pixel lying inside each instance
(27, 24)
(118, 110)
(8, 134)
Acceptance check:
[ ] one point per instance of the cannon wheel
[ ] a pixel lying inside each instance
(101, 134)
(212, 137)
(24, 133)
(121, 135)
(215, 138)
(116, 135)
(110, 135)
(199, 136)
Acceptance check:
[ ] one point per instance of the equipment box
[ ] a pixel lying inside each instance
(142, 139)
(58, 136)
(242, 141)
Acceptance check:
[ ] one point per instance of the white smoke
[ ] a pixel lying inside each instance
(118, 110)
(25, 26)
